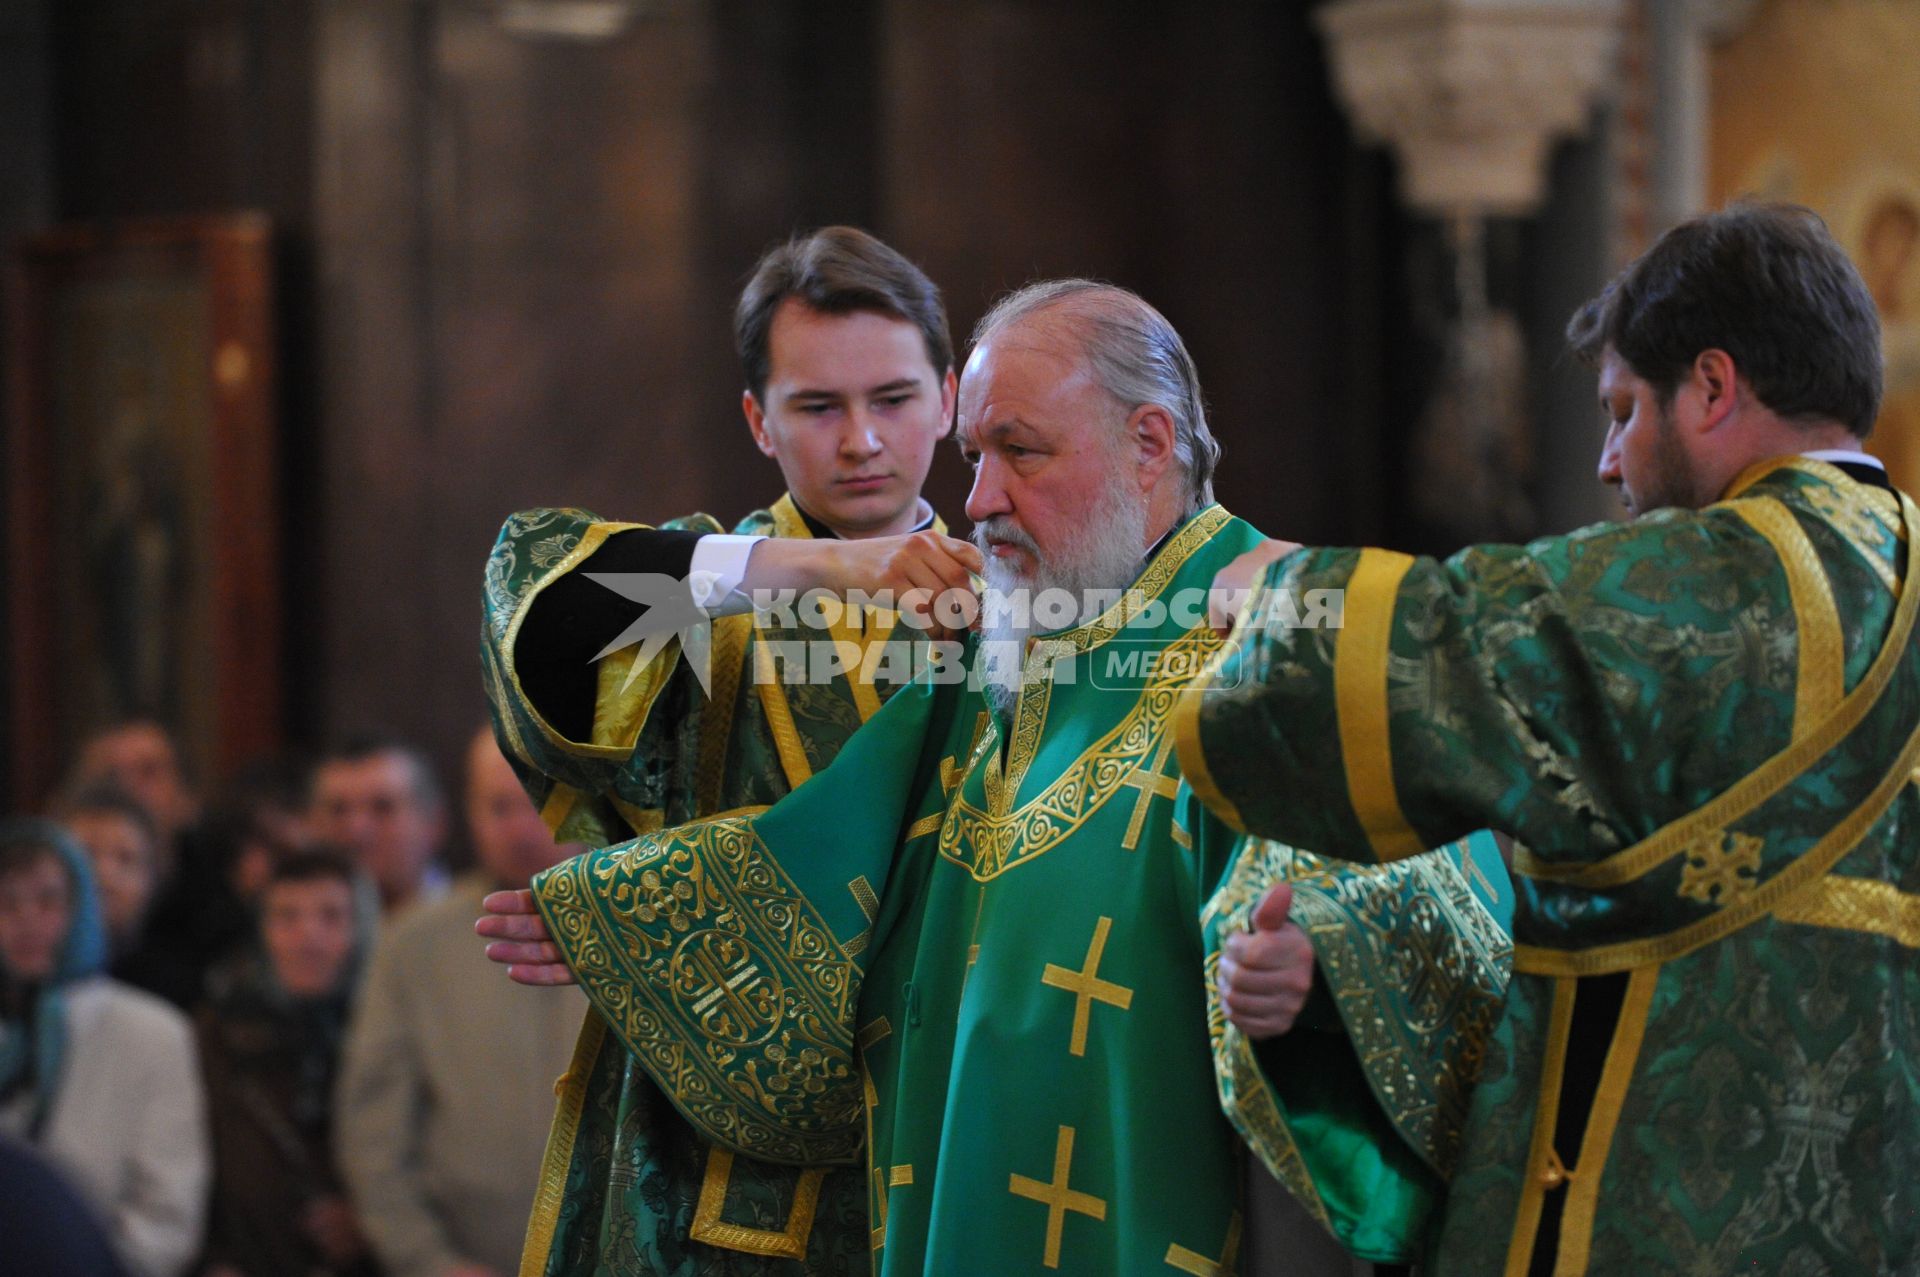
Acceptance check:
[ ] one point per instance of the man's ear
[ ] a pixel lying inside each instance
(949, 392)
(1714, 384)
(1150, 433)
(757, 422)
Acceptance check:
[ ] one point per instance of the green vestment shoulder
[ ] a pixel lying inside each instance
(1702, 729)
(629, 1186)
(968, 958)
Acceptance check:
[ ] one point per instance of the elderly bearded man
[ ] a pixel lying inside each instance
(974, 943)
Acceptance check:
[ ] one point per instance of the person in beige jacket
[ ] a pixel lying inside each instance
(447, 1088)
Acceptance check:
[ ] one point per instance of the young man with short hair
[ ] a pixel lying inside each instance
(848, 365)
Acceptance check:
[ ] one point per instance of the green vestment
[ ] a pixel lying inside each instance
(1702, 727)
(628, 1187)
(1017, 1038)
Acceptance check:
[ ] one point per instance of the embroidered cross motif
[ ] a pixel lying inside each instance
(1192, 1261)
(1152, 784)
(1086, 986)
(1721, 868)
(1057, 1197)
(734, 1000)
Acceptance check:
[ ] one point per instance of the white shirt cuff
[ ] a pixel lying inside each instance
(719, 566)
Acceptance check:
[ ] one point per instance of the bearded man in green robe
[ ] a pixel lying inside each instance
(1702, 726)
(849, 388)
(971, 953)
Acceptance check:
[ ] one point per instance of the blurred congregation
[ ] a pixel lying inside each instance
(249, 1028)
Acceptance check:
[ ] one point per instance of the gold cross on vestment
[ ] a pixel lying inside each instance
(1721, 867)
(1086, 985)
(1057, 1197)
(1192, 1261)
(884, 1180)
(868, 1036)
(1152, 784)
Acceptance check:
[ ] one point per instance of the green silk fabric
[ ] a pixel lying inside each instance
(1759, 1108)
(969, 959)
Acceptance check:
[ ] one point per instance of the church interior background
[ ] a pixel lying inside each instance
(499, 242)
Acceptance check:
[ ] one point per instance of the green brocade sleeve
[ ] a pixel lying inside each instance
(603, 788)
(1477, 692)
(727, 954)
(1361, 1120)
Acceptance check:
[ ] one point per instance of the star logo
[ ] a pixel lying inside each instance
(670, 613)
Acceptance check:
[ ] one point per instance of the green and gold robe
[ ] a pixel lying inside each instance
(968, 956)
(628, 1186)
(1703, 728)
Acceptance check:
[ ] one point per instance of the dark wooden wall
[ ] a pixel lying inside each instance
(510, 263)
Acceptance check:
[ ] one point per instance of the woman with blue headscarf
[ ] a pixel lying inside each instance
(101, 1077)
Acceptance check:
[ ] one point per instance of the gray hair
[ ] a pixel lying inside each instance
(1136, 357)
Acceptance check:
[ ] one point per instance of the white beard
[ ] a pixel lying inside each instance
(1100, 555)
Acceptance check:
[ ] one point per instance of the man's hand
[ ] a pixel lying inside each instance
(1230, 586)
(916, 569)
(1265, 974)
(520, 938)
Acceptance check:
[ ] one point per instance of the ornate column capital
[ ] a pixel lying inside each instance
(1471, 93)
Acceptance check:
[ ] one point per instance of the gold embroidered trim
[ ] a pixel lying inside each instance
(1543, 1169)
(552, 1188)
(1821, 681)
(729, 656)
(1609, 1100)
(1414, 961)
(723, 981)
(1251, 1106)
(1763, 899)
(788, 522)
(1759, 785)
(1187, 744)
(1865, 905)
(989, 842)
(1865, 515)
(773, 699)
(1360, 692)
(1155, 578)
(787, 1243)
(1193, 1262)
(590, 540)
(1193, 758)
(1036, 688)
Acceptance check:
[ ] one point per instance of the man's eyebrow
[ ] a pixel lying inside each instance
(903, 383)
(993, 431)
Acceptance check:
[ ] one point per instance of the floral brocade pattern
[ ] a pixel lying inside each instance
(709, 964)
(1759, 1106)
(630, 1179)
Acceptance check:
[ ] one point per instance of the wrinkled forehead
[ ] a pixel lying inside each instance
(1028, 377)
